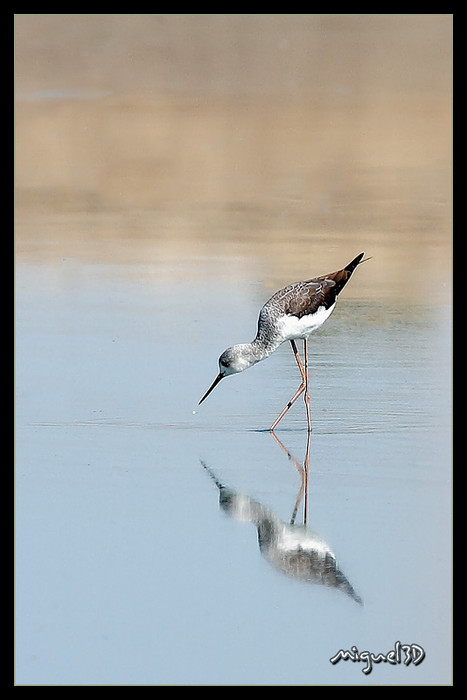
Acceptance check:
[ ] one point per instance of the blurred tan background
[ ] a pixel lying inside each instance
(292, 141)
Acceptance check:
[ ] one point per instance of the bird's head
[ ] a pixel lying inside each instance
(233, 360)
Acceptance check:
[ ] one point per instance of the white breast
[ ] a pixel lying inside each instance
(292, 327)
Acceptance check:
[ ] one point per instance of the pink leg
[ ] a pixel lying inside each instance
(303, 386)
(307, 387)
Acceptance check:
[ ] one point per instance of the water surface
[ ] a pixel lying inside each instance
(154, 217)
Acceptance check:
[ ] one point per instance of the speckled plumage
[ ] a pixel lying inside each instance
(291, 313)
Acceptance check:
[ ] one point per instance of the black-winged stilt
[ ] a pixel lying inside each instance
(291, 313)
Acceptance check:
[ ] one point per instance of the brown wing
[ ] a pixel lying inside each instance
(322, 291)
(305, 298)
(301, 298)
(310, 295)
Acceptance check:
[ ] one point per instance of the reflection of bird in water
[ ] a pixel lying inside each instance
(291, 313)
(291, 549)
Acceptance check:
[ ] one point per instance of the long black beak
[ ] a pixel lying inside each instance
(214, 384)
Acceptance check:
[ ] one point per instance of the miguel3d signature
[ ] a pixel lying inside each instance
(402, 653)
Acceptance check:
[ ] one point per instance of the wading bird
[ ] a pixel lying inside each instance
(291, 313)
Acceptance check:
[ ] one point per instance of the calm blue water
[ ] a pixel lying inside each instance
(129, 571)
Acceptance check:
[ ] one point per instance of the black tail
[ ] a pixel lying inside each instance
(352, 265)
(341, 277)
